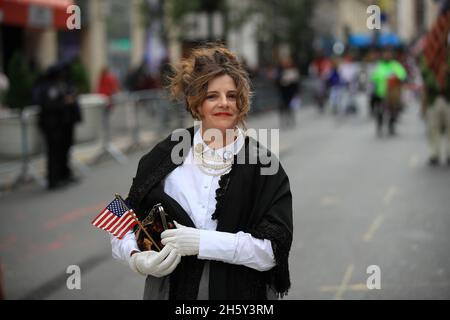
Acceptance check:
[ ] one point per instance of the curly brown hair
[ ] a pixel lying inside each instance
(193, 74)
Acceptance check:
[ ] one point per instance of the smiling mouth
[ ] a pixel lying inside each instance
(223, 114)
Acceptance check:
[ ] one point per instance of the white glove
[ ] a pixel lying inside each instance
(186, 240)
(157, 264)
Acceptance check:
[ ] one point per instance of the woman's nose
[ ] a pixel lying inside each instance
(223, 100)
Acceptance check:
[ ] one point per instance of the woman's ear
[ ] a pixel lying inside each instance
(199, 111)
(193, 111)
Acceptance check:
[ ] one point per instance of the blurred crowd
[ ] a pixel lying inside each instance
(380, 73)
(392, 78)
(388, 76)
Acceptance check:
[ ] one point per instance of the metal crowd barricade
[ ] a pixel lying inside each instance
(28, 171)
(108, 149)
(136, 102)
(28, 168)
(149, 110)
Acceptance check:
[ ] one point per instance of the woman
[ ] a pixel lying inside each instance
(234, 224)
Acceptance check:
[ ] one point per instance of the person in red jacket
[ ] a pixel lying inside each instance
(108, 84)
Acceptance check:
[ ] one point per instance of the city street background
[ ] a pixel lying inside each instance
(331, 76)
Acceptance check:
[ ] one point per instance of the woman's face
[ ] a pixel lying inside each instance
(219, 109)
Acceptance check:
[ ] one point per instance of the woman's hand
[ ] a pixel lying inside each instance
(157, 264)
(186, 240)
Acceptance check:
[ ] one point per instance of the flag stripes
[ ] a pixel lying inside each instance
(116, 219)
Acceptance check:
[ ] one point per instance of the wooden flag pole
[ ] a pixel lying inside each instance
(139, 223)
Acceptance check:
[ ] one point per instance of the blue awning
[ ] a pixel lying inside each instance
(361, 40)
(389, 39)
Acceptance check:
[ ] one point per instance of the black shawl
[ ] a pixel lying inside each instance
(246, 201)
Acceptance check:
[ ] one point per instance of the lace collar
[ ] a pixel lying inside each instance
(225, 153)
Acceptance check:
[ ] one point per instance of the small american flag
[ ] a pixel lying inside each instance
(116, 219)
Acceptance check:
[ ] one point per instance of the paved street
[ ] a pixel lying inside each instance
(359, 201)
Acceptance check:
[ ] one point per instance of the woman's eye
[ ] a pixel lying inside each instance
(232, 96)
(210, 97)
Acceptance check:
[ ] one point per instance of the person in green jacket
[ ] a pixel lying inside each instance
(387, 78)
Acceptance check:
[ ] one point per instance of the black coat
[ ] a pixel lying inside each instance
(55, 114)
(246, 201)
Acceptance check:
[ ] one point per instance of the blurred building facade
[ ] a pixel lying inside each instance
(423, 14)
(107, 35)
(406, 19)
(212, 23)
(31, 27)
(123, 34)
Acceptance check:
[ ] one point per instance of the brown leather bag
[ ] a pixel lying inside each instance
(155, 223)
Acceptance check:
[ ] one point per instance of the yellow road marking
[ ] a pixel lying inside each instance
(352, 287)
(344, 283)
(391, 193)
(329, 201)
(373, 227)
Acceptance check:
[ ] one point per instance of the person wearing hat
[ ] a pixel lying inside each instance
(58, 114)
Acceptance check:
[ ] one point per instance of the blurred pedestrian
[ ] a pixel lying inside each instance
(59, 112)
(136, 78)
(288, 82)
(371, 63)
(318, 71)
(108, 85)
(140, 79)
(349, 71)
(230, 242)
(388, 78)
(4, 86)
(335, 87)
(436, 111)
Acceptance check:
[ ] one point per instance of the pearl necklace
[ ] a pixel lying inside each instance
(212, 161)
(214, 174)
